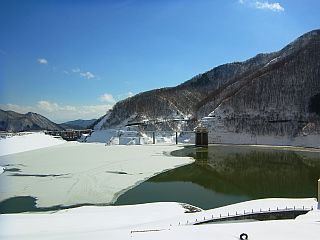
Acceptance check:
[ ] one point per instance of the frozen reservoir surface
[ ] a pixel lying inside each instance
(82, 173)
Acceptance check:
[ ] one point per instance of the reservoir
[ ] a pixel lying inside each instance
(74, 175)
(224, 174)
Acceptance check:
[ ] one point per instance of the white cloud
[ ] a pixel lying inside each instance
(264, 5)
(84, 74)
(130, 94)
(125, 95)
(61, 113)
(276, 7)
(47, 106)
(17, 108)
(107, 98)
(87, 75)
(42, 61)
(76, 70)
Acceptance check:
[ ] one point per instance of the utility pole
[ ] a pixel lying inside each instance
(176, 137)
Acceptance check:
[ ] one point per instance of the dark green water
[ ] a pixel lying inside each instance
(224, 175)
(28, 204)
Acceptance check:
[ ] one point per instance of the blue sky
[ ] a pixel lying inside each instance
(74, 59)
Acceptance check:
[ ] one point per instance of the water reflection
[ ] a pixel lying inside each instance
(228, 174)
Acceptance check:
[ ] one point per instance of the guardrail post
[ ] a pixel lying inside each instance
(318, 194)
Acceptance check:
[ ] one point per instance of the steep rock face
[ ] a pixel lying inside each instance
(11, 121)
(269, 95)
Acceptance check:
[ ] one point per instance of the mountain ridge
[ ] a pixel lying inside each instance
(11, 121)
(78, 124)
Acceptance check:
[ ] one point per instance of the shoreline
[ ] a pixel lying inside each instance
(281, 147)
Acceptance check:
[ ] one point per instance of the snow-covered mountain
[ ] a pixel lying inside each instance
(268, 95)
(11, 121)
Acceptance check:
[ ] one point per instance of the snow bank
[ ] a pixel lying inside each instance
(27, 142)
(248, 139)
(101, 136)
(82, 173)
(144, 222)
(255, 206)
(262, 230)
(84, 220)
(219, 133)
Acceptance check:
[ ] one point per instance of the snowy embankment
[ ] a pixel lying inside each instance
(156, 221)
(27, 142)
(248, 139)
(131, 137)
(219, 133)
(255, 206)
(83, 173)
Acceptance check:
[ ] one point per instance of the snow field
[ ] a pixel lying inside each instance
(88, 173)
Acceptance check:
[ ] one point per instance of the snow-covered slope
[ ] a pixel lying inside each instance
(26, 142)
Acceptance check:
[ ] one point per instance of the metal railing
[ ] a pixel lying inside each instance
(243, 213)
(220, 217)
